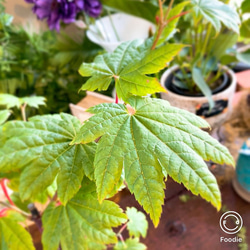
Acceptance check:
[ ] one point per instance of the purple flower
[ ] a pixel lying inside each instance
(92, 7)
(56, 11)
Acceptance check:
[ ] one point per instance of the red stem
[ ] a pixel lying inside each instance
(6, 192)
(2, 212)
(181, 14)
(116, 99)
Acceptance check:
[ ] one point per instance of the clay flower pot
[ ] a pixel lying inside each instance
(199, 104)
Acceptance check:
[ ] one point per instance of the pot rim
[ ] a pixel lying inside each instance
(170, 70)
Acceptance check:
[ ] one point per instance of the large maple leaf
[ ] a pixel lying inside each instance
(41, 147)
(151, 142)
(83, 221)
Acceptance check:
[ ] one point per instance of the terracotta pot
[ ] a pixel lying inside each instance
(199, 105)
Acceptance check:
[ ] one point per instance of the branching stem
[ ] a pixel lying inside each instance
(162, 22)
(6, 192)
(28, 216)
(23, 107)
(119, 234)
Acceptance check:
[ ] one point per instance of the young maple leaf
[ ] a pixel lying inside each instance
(128, 65)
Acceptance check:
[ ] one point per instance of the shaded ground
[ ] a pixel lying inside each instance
(193, 224)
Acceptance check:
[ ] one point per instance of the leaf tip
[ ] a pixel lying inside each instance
(218, 206)
(156, 222)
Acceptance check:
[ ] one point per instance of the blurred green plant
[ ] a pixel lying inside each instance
(43, 64)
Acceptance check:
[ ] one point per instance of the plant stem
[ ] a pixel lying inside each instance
(168, 10)
(122, 228)
(215, 78)
(161, 11)
(16, 209)
(119, 234)
(116, 99)
(161, 26)
(162, 22)
(122, 240)
(113, 26)
(23, 112)
(6, 192)
(206, 39)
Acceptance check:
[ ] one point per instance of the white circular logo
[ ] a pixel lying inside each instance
(231, 222)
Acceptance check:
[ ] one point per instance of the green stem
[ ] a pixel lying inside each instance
(168, 10)
(209, 29)
(216, 77)
(113, 26)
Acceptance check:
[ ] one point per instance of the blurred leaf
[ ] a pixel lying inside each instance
(15, 216)
(15, 197)
(137, 224)
(138, 8)
(244, 57)
(216, 12)
(4, 115)
(5, 19)
(227, 59)
(68, 51)
(130, 244)
(245, 29)
(13, 236)
(33, 101)
(9, 101)
(200, 82)
(221, 43)
(245, 6)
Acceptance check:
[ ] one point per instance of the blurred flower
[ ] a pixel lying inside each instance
(64, 10)
(92, 7)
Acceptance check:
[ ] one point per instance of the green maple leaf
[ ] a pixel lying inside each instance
(13, 236)
(42, 144)
(137, 224)
(11, 101)
(82, 221)
(130, 244)
(4, 115)
(153, 141)
(128, 66)
(33, 101)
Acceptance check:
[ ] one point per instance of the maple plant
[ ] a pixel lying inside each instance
(77, 166)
